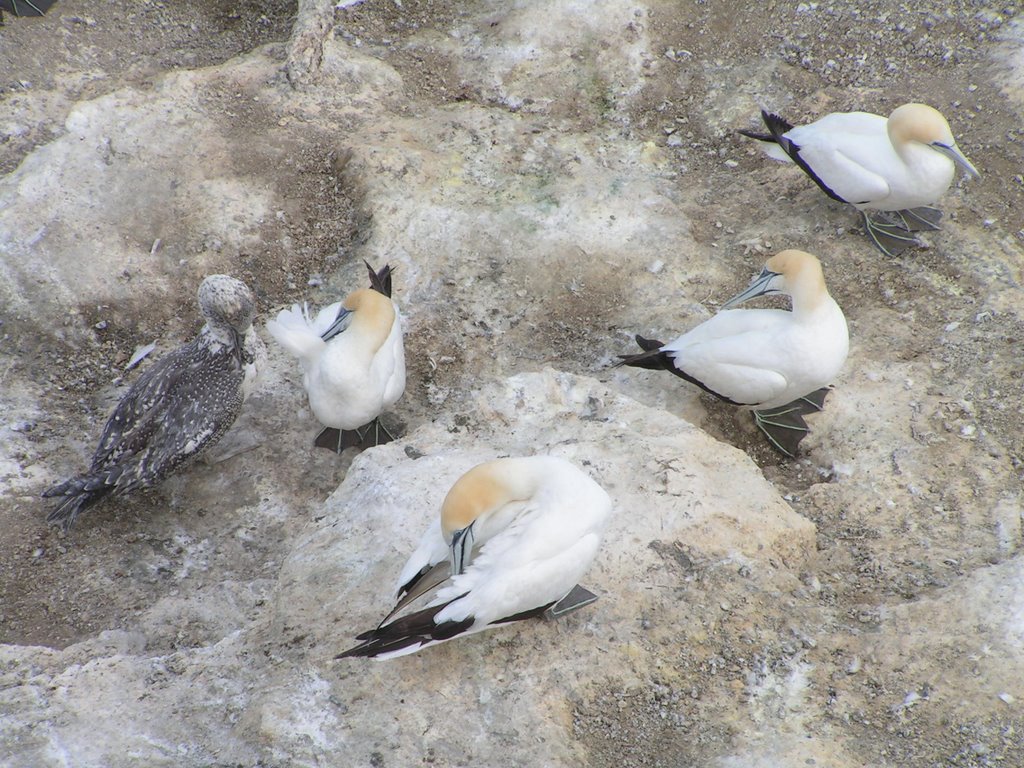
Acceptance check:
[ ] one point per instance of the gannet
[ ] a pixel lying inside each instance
(513, 538)
(353, 362)
(176, 409)
(902, 164)
(777, 363)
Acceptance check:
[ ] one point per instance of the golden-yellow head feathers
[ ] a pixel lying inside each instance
(918, 122)
(792, 262)
(802, 272)
(483, 489)
(374, 315)
(368, 300)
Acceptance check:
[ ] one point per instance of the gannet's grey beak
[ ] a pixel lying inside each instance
(461, 549)
(340, 324)
(952, 151)
(759, 286)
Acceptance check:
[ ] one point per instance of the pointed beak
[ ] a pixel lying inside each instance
(952, 151)
(759, 286)
(461, 549)
(241, 355)
(340, 324)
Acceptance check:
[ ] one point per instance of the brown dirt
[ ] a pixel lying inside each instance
(841, 56)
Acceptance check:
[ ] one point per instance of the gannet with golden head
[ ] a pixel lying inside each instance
(513, 538)
(775, 362)
(178, 408)
(353, 362)
(902, 164)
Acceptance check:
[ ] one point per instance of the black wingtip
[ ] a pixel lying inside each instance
(416, 629)
(778, 127)
(775, 124)
(652, 358)
(755, 135)
(65, 513)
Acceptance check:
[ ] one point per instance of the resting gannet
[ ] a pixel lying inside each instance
(901, 165)
(513, 538)
(776, 362)
(178, 408)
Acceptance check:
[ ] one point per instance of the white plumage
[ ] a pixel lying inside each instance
(514, 537)
(353, 361)
(902, 163)
(764, 359)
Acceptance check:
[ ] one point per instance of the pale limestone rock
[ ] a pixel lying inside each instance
(273, 681)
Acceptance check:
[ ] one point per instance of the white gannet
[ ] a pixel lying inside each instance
(513, 538)
(353, 362)
(902, 164)
(176, 409)
(778, 363)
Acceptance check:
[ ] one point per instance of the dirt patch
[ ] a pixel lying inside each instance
(716, 64)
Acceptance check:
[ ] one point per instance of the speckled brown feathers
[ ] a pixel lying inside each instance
(177, 409)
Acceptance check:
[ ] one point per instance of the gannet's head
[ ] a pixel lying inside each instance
(374, 309)
(367, 300)
(926, 125)
(370, 314)
(794, 273)
(227, 303)
(483, 490)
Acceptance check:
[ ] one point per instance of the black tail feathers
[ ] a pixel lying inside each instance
(776, 127)
(76, 495)
(652, 358)
(380, 281)
(412, 631)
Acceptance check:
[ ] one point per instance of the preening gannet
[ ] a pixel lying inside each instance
(353, 362)
(513, 538)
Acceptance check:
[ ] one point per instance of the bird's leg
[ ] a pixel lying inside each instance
(379, 428)
(889, 237)
(577, 598)
(367, 436)
(924, 218)
(784, 427)
(331, 439)
(812, 402)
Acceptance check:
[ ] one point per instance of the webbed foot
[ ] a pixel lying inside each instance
(785, 426)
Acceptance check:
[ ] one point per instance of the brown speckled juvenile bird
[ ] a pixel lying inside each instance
(177, 409)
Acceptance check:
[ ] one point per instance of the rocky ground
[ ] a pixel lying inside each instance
(548, 178)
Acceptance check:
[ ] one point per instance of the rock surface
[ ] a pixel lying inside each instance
(549, 179)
